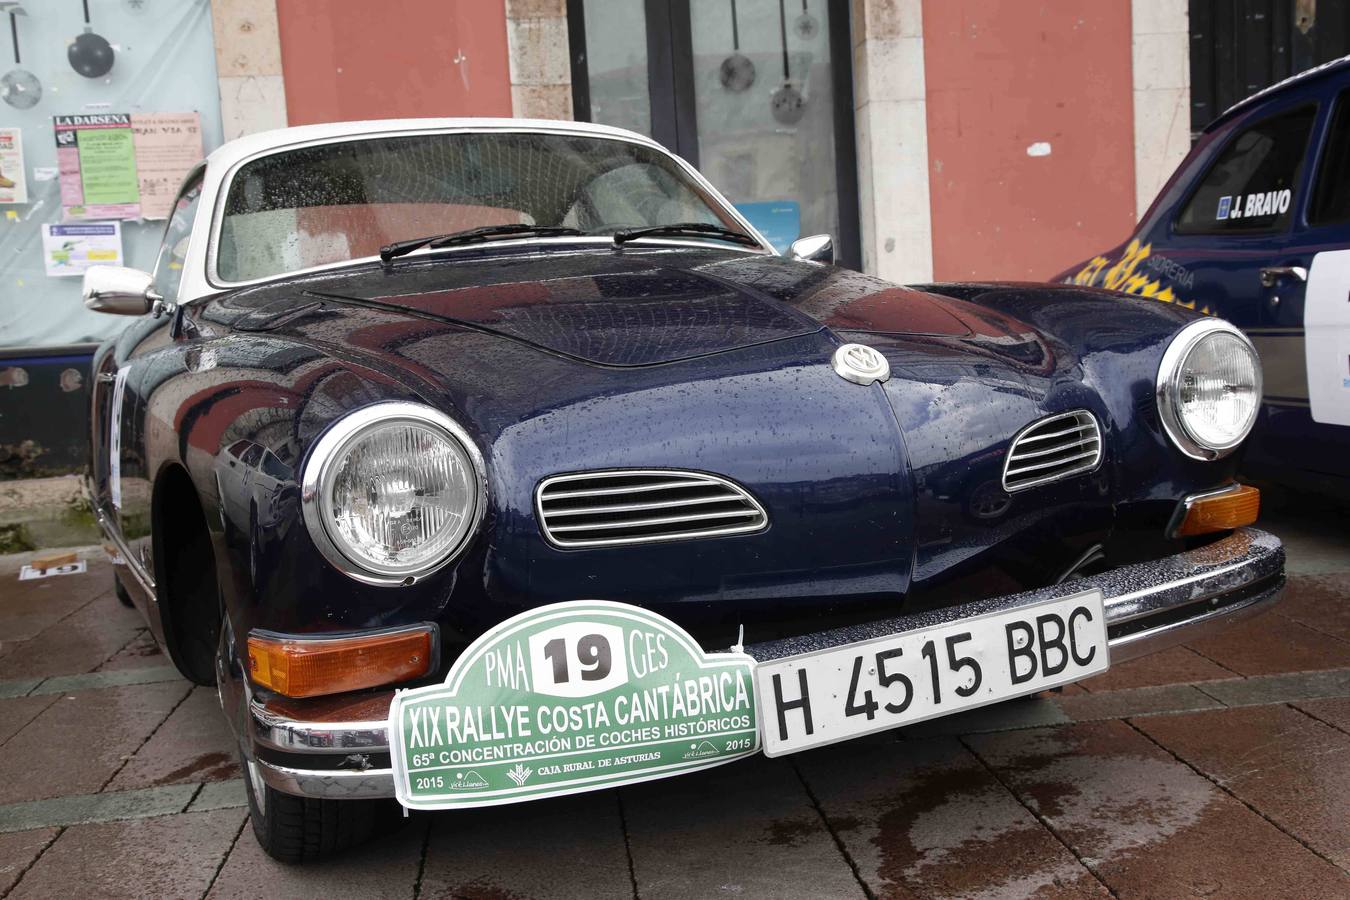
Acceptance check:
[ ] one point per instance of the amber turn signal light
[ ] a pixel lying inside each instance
(1220, 512)
(312, 666)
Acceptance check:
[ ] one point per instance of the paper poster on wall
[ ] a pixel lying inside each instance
(167, 145)
(68, 250)
(97, 158)
(13, 181)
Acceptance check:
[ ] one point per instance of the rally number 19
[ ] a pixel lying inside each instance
(593, 658)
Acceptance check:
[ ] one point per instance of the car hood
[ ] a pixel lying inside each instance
(628, 308)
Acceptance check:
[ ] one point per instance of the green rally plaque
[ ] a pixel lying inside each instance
(571, 697)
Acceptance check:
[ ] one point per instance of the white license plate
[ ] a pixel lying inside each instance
(845, 692)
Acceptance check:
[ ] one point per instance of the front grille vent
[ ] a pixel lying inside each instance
(1053, 449)
(639, 506)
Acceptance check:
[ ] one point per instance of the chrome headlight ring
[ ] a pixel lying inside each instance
(1168, 389)
(329, 453)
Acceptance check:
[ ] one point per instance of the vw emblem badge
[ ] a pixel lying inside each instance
(860, 364)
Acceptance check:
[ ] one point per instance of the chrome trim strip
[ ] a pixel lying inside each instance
(293, 736)
(665, 520)
(1192, 578)
(335, 784)
(662, 479)
(1196, 580)
(133, 563)
(1185, 503)
(1033, 454)
(1089, 433)
(1166, 387)
(326, 450)
(639, 507)
(636, 489)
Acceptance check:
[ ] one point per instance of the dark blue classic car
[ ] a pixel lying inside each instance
(1254, 226)
(480, 461)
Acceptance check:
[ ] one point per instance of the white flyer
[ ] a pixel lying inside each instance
(13, 180)
(1326, 327)
(67, 250)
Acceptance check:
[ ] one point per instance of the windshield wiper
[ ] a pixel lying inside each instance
(700, 229)
(472, 236)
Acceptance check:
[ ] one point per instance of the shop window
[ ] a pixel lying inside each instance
(756, 93)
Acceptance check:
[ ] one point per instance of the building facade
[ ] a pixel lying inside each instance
(934, 139)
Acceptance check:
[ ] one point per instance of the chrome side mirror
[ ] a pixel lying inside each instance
(816, 248)
(120, 291)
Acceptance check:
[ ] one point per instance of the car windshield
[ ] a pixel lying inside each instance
(332, 202)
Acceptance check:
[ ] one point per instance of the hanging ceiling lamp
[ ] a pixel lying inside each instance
(90, 54)
(738, 71)
(787, 102)
(806, 25)
(19, 87)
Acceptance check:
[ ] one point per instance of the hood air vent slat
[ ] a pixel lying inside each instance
(639, 506)
(1053, 449)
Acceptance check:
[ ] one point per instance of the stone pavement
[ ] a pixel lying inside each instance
(1217, 769)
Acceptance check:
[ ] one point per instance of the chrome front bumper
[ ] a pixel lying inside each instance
(1149, 606)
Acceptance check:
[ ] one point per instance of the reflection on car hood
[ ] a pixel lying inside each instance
(630, 308)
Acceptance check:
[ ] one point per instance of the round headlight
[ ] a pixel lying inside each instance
(1209, 389)
(392, 492)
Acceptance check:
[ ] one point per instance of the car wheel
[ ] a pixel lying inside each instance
(301, 829)
(123, 595)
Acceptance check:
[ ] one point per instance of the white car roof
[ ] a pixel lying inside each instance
(231, 152)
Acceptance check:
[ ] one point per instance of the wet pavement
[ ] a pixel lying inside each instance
(1217, 769)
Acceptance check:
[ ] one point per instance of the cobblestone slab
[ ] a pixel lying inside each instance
(17, 852)
(220, 795)
(31, 606)
(18, 688)
(385, 868)
(164, 857)
(1280, 688)
(86, 808)
(570, 846)
(927, 819)
(1175, 665)
(141, 653)
(193, 745)
(1146, 823)
(1335, 713)
(16, 712)
(78, 643)
(747, 828)
(1272, 644)
(66, 684)
(1318, 602)
(1292, 768)
(78, 743)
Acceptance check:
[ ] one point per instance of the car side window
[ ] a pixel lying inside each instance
(1249, 189)
(238, 447)
(275, 468)
(252, 455)
(173, 249)
(1330, 204)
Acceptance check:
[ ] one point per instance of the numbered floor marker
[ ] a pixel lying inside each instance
(566, 698)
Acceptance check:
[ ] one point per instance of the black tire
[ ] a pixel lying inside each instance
(302, 829)
(123, 596)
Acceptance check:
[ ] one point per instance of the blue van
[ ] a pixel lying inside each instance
(1254, 226)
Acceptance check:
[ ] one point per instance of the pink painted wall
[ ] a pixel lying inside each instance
(393, 58)
(1001, 77)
